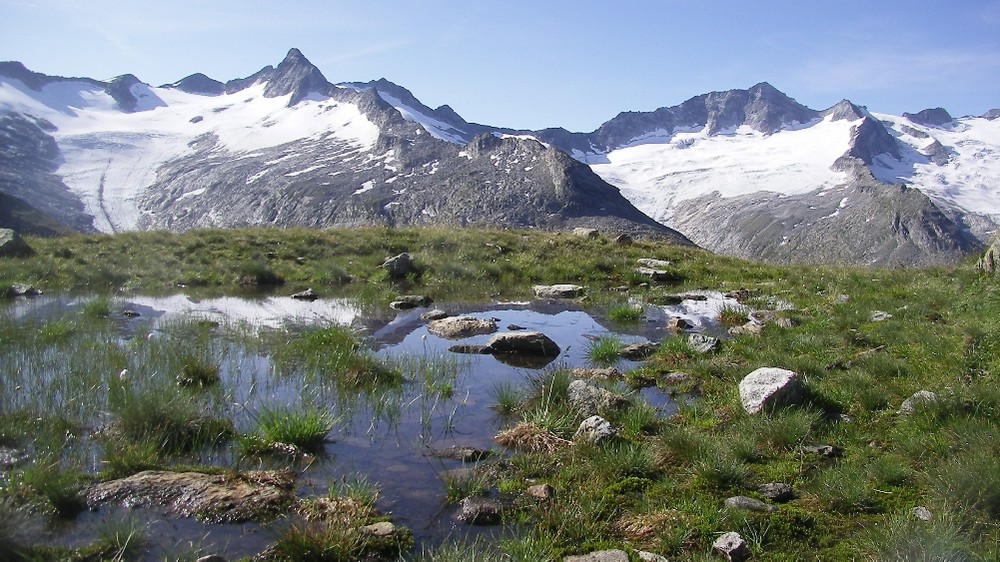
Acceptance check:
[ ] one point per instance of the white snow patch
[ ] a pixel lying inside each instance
(305, 171)
(192, 193)
(365, 187)
(437, 128)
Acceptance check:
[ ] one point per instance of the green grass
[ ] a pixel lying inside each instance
(658, 485)
(304, 428)
(603, 351)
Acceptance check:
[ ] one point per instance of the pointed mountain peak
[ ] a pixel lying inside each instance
(198, 83)
(120, 88)
(845, 110)
(935, 117)
(991, 114)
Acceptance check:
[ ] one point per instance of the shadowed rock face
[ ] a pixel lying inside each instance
(934, 117)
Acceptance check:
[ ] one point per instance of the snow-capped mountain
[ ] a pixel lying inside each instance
(283, 147)
(744, 172)
(755, 174)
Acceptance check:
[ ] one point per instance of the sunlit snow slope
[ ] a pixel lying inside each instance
(110, 156)
(656, 176)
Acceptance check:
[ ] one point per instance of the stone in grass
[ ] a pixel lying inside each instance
(541, 492)
(587, 232)
(776, 491)
(650, 556)
(398, 267)
(732, 547)
(613, 555)
(922, 513)
(594, 429)
(768, 388)
(480, 511)
(12, 245)
(702, 343)
(745, 503)
(920, 399)
(589, 400)
(637, 351)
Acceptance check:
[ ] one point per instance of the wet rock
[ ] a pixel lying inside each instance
(458, 327)
(480, 511)
(407, 302)
(608, 374)
(591, 233)
(637, 351)
(589, 400)
(214, 498)
(919, 399)
(400, 266)
(613, 555)
(594, 429)
(523, 343)
(307, 295)
(677, 378)
(745, 503)
(541, 492)
(515, 327)
(23, 290)
(560, 291)
(769, 387)
(732, 547)
(922, 513)
(129, 313)
(702, 343)
(9, 458)
(12, 245)
(461, 453)
(436, 314)
(776, 491)
(677, 325)
(212, 558)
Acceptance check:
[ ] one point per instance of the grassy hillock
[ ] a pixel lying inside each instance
(863, 340)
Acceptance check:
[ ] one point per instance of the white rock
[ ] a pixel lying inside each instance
(769, 387)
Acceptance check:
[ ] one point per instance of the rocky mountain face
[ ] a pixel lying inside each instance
(283, 147)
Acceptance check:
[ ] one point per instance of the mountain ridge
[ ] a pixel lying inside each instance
(276, 161)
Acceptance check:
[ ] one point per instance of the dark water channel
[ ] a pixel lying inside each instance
(387, 438)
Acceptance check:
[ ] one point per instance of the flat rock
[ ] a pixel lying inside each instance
(826, 451)
(606, 374)
(458, 327)
(436, 314)
(654, 263)
(769, 387)
(560, 291)
(214, 498)
(655, 275)
(307, 295)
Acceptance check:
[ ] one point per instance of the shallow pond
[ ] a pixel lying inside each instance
(389, 436)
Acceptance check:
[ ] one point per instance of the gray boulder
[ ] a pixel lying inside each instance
(702, 343)
(407, 302)
(480, 511)
(307, 295)
(587, 232)
(12, 245)
(522, 343)
(594, 429)
(732, 547)
(776, 491)
(398, 267)
(457, 327)
(919, 399)
(770, 387)
(637, 351)
(589, 400)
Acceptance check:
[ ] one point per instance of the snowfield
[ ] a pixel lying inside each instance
(657, 175)
(970, 180)
(88, 122)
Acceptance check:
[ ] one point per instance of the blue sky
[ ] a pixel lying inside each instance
(541, 63)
